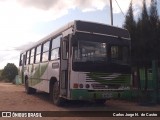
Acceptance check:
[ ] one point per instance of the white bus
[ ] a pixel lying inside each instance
(80, 61)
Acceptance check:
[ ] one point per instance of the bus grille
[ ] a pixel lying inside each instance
(104, 79)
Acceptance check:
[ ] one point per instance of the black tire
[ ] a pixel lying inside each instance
(55, 95)
(28, 89)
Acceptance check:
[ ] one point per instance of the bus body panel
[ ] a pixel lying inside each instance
(101, 85)
(81, 80)
(39, 75)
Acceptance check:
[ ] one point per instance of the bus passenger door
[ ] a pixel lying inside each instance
(64, 67)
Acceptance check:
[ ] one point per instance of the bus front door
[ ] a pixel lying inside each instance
(64, 67)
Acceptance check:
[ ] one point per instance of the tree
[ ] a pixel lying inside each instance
(154, 19)
(130, 25)
(145, 33)
(10, 71)
(145, 40)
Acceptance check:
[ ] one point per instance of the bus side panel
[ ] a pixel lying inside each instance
(42, 82)
(47, 70)
(53, 69)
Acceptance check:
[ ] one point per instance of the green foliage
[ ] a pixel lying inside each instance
(145, 40)
(130, 25)
(9, 72)
(154, 21)
(144, 37)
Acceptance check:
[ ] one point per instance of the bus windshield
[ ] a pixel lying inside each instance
(100, 53)
(87, 51)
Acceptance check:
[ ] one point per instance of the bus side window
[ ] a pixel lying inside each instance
(32, 56)
(55, 54)
(38, 54)
(114, 52)
(21, 58)
(55, 48)
(45, 54)
(27, 57)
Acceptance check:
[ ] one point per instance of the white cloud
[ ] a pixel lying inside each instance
(17, 17)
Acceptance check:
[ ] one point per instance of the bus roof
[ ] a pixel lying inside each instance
(87, 26)
(94, 27)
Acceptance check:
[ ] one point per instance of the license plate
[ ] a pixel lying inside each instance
(107, 95)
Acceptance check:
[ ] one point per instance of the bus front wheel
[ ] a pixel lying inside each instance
(55, 95)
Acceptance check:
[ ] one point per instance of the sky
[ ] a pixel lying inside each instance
(23, 22)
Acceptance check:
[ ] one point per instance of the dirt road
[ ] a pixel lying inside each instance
(14, 98)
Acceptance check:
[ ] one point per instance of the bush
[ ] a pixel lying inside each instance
(1, 75)
(9, 72)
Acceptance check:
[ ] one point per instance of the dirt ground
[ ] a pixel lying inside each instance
(14, 98)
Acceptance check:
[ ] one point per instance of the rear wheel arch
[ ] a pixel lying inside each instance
(28, 89)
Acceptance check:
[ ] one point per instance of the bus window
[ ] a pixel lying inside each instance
(55, 54)
(114, 52)
(45, 54)
(27, 57)
(90, 51)
(46, 46)
(56, 42)
(20, 61)
(38, 54)
(32, 56)
(120, 53)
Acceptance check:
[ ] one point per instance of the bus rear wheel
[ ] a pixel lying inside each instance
(28, 89)
(55, 95)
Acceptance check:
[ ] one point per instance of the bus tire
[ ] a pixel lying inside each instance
(55, 94)
(28, 89)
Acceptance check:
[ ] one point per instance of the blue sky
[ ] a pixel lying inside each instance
(26, 21)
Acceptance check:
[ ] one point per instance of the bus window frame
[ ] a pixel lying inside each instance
(20, 60)
(46, 51)
(38, 54)
(54, 47)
